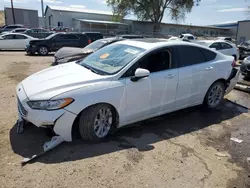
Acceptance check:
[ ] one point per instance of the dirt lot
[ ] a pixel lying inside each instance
(189, 148)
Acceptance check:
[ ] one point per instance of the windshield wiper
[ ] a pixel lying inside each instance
(91, 69)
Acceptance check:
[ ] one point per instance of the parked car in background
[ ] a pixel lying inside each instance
(14, 41)
(123, 83)
(93, 36)
(10, 27)
(56, 41)
(245, 67)
(222, 46)
(225, 38)
(244, 49)
(68, 54)
(60, 29)
(130, 36)
(18, 30)
(184, 37)
(38, 33)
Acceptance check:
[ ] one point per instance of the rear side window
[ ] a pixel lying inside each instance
(226, 46)
(190, 38)
(216, 45)
(21, 37)
(190, 55)
(208, 54)
(66, 37)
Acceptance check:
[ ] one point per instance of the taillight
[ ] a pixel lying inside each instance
(234, 64)
(89, 41)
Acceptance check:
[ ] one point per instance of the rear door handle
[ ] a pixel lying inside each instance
(209, 68)
(170, 76)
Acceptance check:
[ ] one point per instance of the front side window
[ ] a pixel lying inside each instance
(112, 58)
(190, 38)
(190, 55)
(157, 61)
(154, 62)
(8, 37)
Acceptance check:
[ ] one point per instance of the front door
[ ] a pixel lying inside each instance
(155, 94)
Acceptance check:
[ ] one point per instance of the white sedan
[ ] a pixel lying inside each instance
(123, 83)
(14, 41)
(222, 46)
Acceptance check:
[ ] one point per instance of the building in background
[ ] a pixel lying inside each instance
(26, 17)
(243, 31)
(79, 19)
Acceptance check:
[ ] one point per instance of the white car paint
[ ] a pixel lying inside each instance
(14, 41)
(233, 51)
(159, 93)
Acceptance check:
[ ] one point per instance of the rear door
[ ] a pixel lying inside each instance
(227, 49)
(196, 70)
(20, 41)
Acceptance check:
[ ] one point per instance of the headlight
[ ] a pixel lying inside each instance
(50, 104)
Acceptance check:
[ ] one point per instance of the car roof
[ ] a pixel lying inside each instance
(148, 44)
(187, 34)
(211, 41)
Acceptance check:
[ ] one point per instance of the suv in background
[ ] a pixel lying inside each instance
(93, 36)
(56, 41)
(11, 27)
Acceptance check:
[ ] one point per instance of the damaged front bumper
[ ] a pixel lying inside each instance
(61, 120)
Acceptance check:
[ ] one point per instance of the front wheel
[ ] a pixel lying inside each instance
(214, 95)
(96, 122)
(43, 50)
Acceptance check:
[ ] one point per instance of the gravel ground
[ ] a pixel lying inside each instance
(189, 148)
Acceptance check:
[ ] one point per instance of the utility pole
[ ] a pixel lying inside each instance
(43, 16)
(13, 13)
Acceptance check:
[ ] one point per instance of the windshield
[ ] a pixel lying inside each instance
(111, 59)
(95, 45)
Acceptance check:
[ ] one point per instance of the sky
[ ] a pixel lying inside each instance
(209, 12)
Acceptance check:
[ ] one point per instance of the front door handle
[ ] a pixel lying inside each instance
(169, 76)
(209, 68)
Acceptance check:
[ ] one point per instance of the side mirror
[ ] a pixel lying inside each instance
(139, 74)
(214, 49)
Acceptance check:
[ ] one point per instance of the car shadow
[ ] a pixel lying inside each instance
(37, 55)
(140, 135)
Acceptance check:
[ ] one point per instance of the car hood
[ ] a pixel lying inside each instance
(56, 80)
(71, 51)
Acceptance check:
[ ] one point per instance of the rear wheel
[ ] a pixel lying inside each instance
(43, 50)
(214, 95)
(96, 122)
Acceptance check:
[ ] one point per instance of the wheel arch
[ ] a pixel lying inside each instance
(218, 80)
(75, 130)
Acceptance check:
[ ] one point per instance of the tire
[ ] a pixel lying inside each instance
(91, 123)
(214, 95)
(43, 50)
(30, 53)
